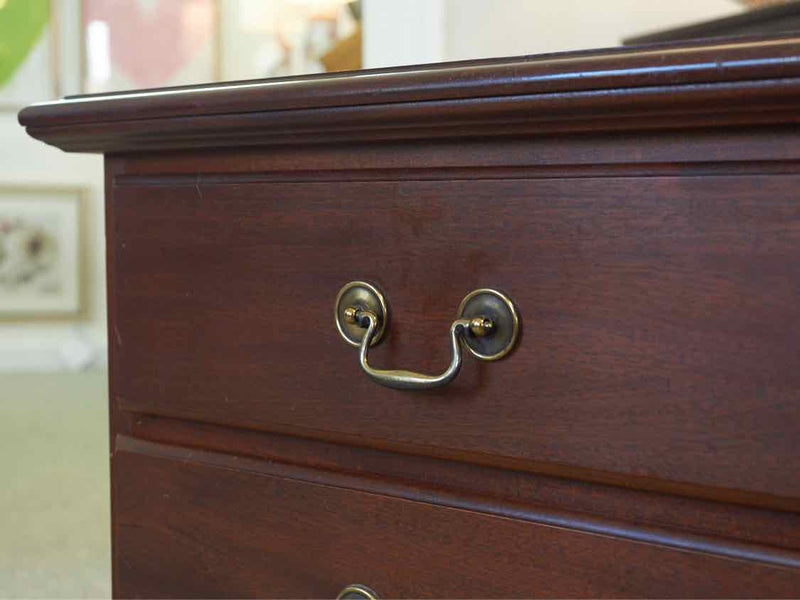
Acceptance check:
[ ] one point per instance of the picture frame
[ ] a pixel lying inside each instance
(283, 38)
(113, 64)
(37, 76)
(42, 252)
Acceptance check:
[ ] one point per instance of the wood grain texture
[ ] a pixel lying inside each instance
(117, 419)
(441, 480)
(186, 529)
(740, 151)
(716, 84)
(660, 319)
(693, 106)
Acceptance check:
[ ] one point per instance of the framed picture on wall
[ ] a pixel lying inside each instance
(28, 62)
(139, 44)
(276, 38)
(40, 251)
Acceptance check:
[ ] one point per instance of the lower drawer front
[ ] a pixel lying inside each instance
(188, 528)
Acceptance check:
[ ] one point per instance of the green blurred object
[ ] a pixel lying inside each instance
(21, 25)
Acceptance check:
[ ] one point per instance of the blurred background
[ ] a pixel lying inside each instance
(54, 488)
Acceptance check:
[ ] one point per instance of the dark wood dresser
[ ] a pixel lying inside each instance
(625, 222)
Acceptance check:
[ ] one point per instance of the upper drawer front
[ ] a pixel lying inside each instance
(661, 317)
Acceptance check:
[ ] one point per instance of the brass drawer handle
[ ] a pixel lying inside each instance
(356, 591)
(487, 324)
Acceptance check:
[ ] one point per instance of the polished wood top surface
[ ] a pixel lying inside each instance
(666, 86)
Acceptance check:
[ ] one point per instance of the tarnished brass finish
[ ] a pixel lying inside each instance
(498, 308)
(409, 380)
(488, 325)
(356, 591)
(350, 315)
(359, 295)
(481, 326)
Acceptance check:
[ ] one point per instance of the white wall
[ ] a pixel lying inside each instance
(56, 345)
(409, 32)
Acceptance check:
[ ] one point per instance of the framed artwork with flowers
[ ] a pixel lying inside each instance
(40, 251)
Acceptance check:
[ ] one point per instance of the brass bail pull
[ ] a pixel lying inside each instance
(487, 325)
(409, 380)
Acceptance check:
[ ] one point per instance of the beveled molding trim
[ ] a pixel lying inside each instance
(713, 84)
(629, 503)
(600, 171)
(442, 497)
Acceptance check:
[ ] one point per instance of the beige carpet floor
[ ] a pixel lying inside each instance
(54, 486)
